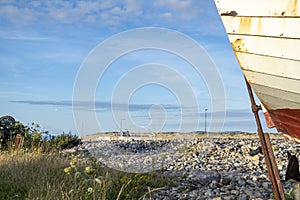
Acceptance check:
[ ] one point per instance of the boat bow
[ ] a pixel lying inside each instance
(265, 38)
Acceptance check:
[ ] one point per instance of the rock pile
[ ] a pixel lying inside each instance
(227, 169)
(208, 168)
(136, 156)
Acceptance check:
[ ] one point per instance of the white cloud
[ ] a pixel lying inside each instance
(116, 10)
(65, 12)
(17, 15)
(167, 14)
(28, 38)
(182, 9)
(134, 7)
(35, 4)
(173, 4)
(109, 12)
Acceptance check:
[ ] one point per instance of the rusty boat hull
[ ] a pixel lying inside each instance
(265, 36)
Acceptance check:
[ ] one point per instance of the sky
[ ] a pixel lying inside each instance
(97, 66)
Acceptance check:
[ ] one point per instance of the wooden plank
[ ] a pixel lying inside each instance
(271, 8)
(276, 82)
(263, 26)
(269, 65)
(275, 98)
(269, 46)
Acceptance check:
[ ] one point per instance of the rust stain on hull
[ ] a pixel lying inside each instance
(259, 26)
(245, 25)
(231, 13)
(294, 7)
(238, 45)
(270, 33)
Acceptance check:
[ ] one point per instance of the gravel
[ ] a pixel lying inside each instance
(208, 168)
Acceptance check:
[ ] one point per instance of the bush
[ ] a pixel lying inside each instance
(9, 128)
(65, 141)
(34, 139)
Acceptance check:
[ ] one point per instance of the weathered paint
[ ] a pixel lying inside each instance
(265, 36)
(269, 120)
(275, 66)
(276, 82)
(263, 26)
(293, 7)
(268, 117)
(275, 8)
(269, 46)
(287, 121)
(245, 24)
(275, 98)
(238, 45)
(231, 13)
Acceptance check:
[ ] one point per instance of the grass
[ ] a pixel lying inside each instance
(39, 172)
(45, 176)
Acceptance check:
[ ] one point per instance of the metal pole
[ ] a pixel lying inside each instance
(205, 120)
(267, 150)
(122, 124)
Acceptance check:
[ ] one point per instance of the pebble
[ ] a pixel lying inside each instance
(208, 168)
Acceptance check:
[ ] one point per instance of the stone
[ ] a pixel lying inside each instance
(243, 176)
(208, 193)
(250, 182)
(255, 159)
(254, 178)
(243, 197)
(266, 185)
(256, 151)
(234, 192)
(213, 184)
(226, 180)
(241, 182)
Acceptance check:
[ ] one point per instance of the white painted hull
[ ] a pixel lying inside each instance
(265, 36)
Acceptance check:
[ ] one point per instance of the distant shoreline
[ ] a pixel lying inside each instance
(174, 135)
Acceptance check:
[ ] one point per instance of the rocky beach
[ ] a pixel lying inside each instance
(214, 167)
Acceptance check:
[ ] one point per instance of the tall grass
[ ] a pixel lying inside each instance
(41, 176)
(30, 176)
(38, 170)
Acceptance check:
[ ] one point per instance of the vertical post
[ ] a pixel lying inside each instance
(19, 142)
(205, 120)
(122, 124)
(267, 150)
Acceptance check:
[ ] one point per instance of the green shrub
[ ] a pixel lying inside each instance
(65, 141)
(34, 138)
(9, 128)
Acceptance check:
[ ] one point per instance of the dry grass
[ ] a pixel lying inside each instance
(24, 175)
(40, 176)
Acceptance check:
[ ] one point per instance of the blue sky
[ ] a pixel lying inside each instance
(45, 44)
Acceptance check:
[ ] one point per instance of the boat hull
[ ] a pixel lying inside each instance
(266, 42)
